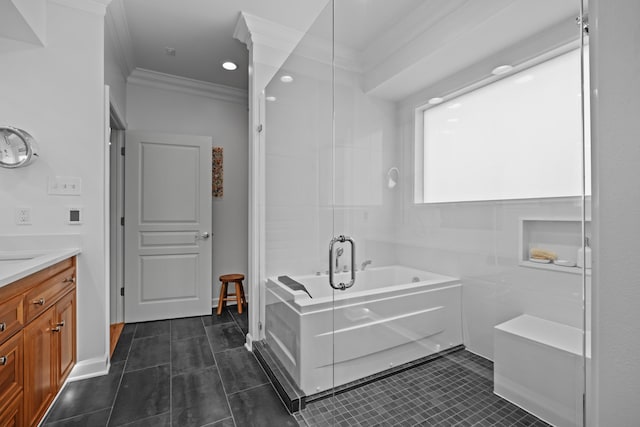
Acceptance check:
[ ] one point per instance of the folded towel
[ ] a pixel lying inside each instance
(537, 253)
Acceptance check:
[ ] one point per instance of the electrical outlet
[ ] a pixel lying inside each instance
(23, 216)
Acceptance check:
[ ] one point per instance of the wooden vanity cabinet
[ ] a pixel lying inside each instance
(66, 338)
(39, 355)
(40, 381)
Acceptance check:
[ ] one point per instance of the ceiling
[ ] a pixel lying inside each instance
(200, 31)
(395, 43)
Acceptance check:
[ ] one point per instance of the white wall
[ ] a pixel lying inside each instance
(114, 76)
(615, 51)
(173, 111)
(57, 94)
(479, 243)
(309, 200)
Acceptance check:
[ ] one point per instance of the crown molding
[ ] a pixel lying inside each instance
(251, 29)
(98, 7)
(155, 79)
(117, 29)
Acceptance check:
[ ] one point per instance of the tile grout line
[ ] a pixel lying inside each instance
(224, 390)
(273, 388)
(75, 416)
(126, 360)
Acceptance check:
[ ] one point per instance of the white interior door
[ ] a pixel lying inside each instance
(167, 226)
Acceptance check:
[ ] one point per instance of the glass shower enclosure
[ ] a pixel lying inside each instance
(426, 207)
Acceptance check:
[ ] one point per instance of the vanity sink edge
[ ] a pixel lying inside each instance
(15, 265)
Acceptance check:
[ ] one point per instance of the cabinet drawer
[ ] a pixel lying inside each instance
(11, 317)
(11, 369)
(42, 296)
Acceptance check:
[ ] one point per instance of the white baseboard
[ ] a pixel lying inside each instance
(90, 368)
(248, 342)
(214, 302)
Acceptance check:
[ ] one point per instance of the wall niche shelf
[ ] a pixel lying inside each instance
(560, 235)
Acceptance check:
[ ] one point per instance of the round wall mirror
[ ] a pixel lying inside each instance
(17, 147)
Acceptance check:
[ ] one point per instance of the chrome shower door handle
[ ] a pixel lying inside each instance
(342, 286)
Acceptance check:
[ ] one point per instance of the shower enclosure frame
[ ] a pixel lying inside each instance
(257, 269)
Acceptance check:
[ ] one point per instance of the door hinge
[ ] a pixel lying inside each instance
(121, 292)
(122, 151)
(121, 220)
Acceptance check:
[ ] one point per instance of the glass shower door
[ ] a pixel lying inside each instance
(425, 211)
(299, 217)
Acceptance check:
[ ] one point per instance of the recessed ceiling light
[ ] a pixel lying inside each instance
(454, 106)
(170, 51)
(230, 66)
(436, 100)
(501, 69)
(270, 98)
(286, 78)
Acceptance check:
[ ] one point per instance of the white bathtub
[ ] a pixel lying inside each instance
(383, 321)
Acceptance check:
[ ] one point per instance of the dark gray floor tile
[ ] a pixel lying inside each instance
(240, 370)
(191, 354)
(147, 352)
(129, 328)
(187, 327)
(93, 419)
(162, 420)
(214, 319)
(121, 351)
(117, 368)
(85, 396)
(227, 422)
(242, 319)
(142, 394)
(259, 406)
(225, 336)
(150, 329)
(198, 398)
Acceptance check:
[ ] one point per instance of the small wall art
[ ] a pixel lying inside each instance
(217, 179)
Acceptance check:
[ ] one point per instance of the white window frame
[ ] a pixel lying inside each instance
(419, 138)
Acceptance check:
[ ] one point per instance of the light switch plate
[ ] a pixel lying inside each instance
(64, 185)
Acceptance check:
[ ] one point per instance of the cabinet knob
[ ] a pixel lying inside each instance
(56, 329)
(61, 323)
(3, 360)
(3, 326)
(69, 280)
(39, 301)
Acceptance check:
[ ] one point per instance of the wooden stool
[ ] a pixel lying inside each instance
(238, 296)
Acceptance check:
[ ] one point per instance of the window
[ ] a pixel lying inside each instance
(516, 138)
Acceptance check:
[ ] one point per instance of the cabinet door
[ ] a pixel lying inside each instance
(11, 377)
(11, 416)
(65, 324)
(39, 373)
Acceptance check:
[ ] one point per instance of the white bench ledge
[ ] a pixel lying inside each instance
(553, 334)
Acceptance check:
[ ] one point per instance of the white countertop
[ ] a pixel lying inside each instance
(15, 265)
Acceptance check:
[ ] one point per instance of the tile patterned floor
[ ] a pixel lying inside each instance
(196, 372)
(455, 390)
(182, 372)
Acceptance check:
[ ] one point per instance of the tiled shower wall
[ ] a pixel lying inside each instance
(477, 242)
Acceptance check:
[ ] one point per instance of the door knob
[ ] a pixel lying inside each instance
(204, 235)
